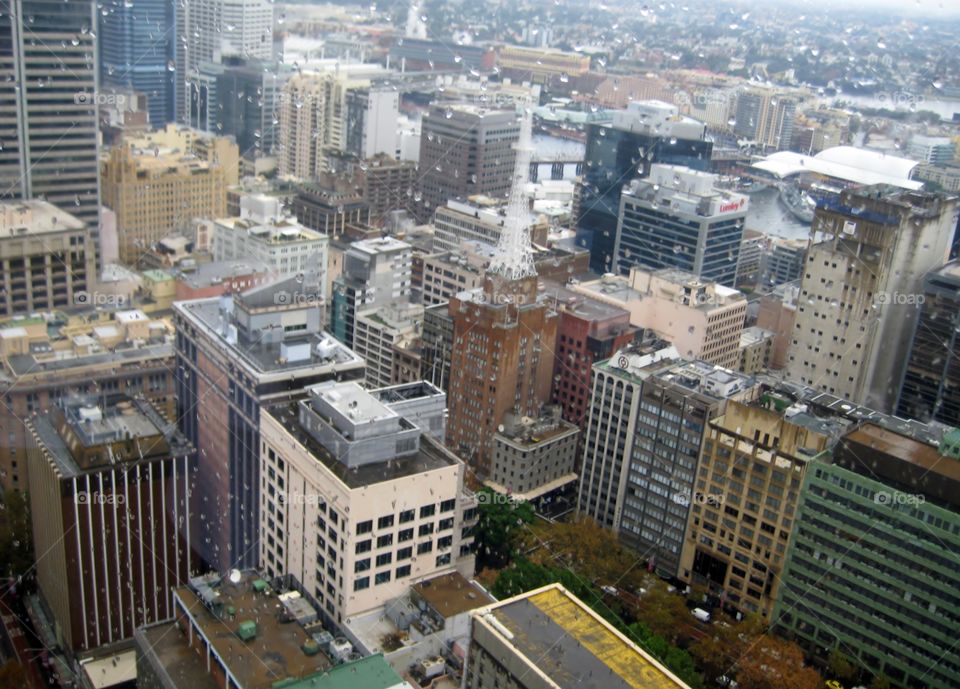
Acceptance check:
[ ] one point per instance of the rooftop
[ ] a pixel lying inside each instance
(215, 272)
(452, 594)
(35, 217)
(169, 654)
(274, 654)
(429, 457)
(572, 645)
(846, 163)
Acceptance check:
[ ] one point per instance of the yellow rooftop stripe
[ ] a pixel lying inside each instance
(635, 668)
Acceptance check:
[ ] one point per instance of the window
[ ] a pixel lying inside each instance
(361, 584)
(363, 547)
(405, 535)
(425, 548)
(384, 541)
(385, 522)
(403, 571)
(364, 527)
(407, 516)
(384, 559)
(382, 577)
(427, 511)
(448, 505)
(361, 565)
(404, 553)
(445, 524)
(425, 529)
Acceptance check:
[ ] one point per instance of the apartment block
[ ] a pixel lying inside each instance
(46, 360)
(234, 354)
(109, 482)
(857, 309)
(47, 257)
(766, 117)
(868, 571)
(478, 219)
(357, 502)
(678, 218)
(266, 234)
(756, 350)
(703, 320)
(929, 390)
(508, 640)
(376, 335)
(744, 503)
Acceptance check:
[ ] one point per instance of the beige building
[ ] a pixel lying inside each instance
(375, 334)
(703, 320)
(778, 311)
(357, 502)
(743, 506)
(220, 150)
(537, 64)
(159, 192)
(857, 308)
(125, 351)
(756, 350)
(47, 258)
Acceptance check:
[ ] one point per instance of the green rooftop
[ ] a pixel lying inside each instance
(372, 672)
(950, 445)
(157, 275)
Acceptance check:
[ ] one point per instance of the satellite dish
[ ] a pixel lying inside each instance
(235, 576)
(500, 428)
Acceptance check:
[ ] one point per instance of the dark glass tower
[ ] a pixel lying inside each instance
(137, 50)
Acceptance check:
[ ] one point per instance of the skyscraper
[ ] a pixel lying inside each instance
(858, 293)
(503, 336)
(48, 110)
(766, 117)
(137, 51)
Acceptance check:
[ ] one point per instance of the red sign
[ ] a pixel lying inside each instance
(735, 205)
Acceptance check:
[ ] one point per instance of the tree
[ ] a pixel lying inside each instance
(880, 682)
(665, 613)
(774, 663)
(500, 521)
(840, 666)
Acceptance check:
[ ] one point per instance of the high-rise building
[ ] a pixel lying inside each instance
(109, 485)
(49, 119)
(372, 115)
(437, 344)
(766, 117)
(358, 500)
(784, 261)
(930, 390)
(478, 219)
(376, 333)
(678, 218)
(128, 352)
(703, 320)
(234, 354)
(47, 256)
(743, 508)
(503, 335)
(209, 31)
(857, 307)
(620, 151)
(376, 272)
(643, 401)
(330, 209)
(876, 523)
(932, 149)
(509, 639)
(465, 150)
(137, 43)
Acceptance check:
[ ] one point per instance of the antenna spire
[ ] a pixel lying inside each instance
(513, 258)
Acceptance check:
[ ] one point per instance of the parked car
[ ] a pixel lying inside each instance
(701, 614)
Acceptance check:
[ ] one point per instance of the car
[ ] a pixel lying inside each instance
(701, 614)
(612, 590)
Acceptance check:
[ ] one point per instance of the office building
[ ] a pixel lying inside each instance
(264, 233)
(237, 631)
(765, 117)
(588, 331)
(378, 331)
(158, 194)
(209, 31)
(465, 150)
(868, 571)
(857, 312)
(777, 314)
(935, 150)
(703, 320)
(234, 354)
(508, 641)
(478, 219)
(503, 335)
(784, 261)
(678, 218)
(437, 344)
(46, 360)
(207, 147)
(620, 151)
(330, 207)
(109, 480)
(47, 256)
(371, 127)
(376, 272)
(534, 459)
(750, 258)
(444, 275)
(49, 128)
(743, 508)
(388, 185)
(358, 501)
(540, 64)
(136, 48)
(419, 53)
(929, 390)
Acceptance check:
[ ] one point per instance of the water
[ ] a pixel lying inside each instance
(904, 101)
(769, 216)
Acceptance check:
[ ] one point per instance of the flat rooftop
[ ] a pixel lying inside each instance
(170, 656)
(429, 457)
(273, 655)
(353, 401)
(19, 218)
(215, 272)
(575, 647)
(920, 454)
(452, 594)
(125, 354)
